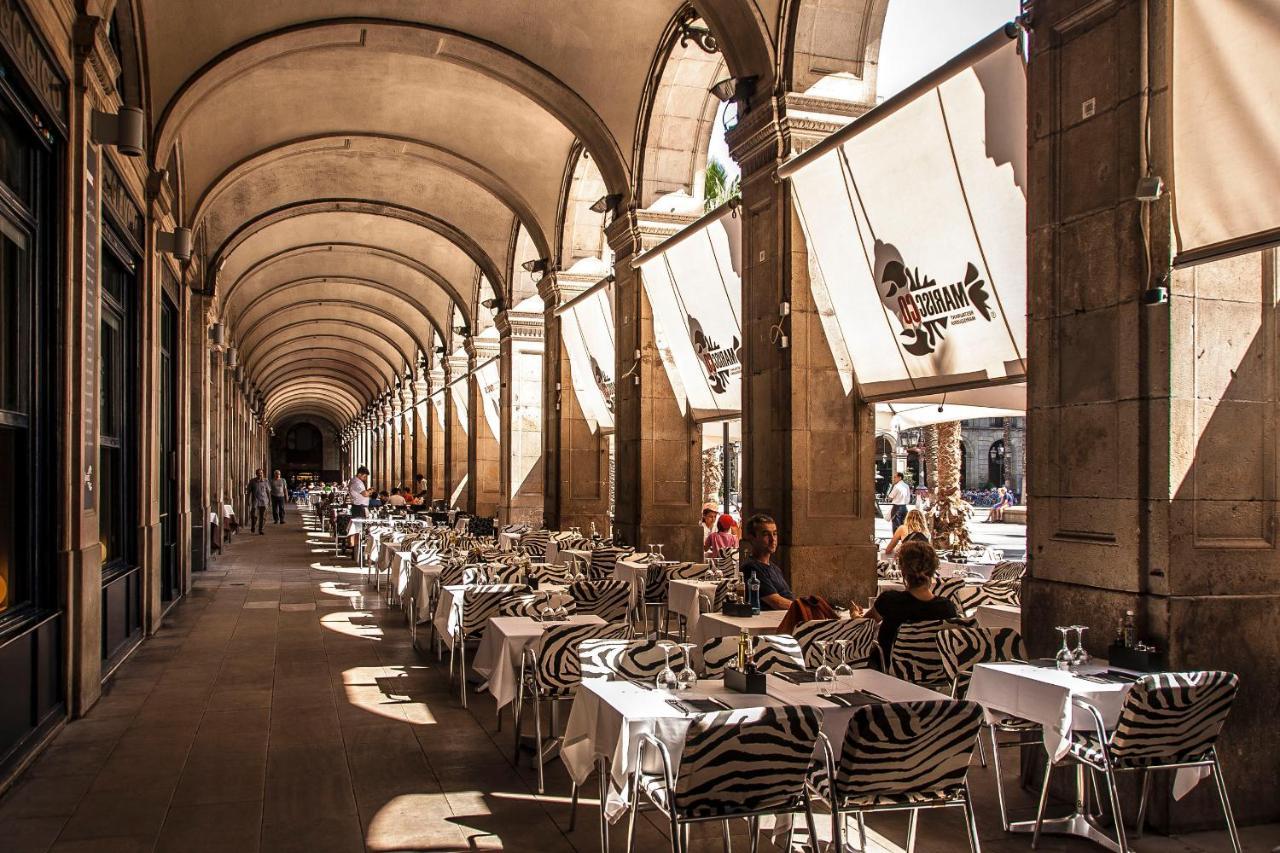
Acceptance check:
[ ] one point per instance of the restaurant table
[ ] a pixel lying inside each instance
(579, 557)
(504, 641)
(1042, 693)
(426, 576)
(634, 574)
(999, 616)
(449, 607)
(684, 598)
(608, 717)
(719, 625)
(507, 541)
(946, 568)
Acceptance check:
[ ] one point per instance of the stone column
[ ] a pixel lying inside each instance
(395, 430)
(520, 472)
(575, 460)
(808, 443)
(438, 437)
(457, 424)
(422, 422)
(198, 450)
(1151, 428)
(483, 447)
(407, 420)
(658, 450)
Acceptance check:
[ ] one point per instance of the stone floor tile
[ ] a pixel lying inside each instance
(211, 828)
(29, 834)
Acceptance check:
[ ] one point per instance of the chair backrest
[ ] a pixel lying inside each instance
(688, 571)
(1008, 570)
(949, 588)
(907, 748)
(534, 543)
(964, 648)
(479, 603)
(603, 561)
(451, 574)
(915, 656)
(777, 653)
(860, 634)
(477, 574)
(507, 572)
(550, 573)
(717, 654)
(744, 761)
(557, 666)
(992, 592)
(529, 604)
(634, 660)
(608, 599)
(657, 581)
(713, 600)
(1173, 716)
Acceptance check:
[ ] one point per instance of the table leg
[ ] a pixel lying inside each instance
(602, 770)
(1078, 823)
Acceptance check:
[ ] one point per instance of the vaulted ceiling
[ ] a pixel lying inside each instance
(365, 173)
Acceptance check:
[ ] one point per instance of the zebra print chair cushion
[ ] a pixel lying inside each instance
(949, 588)
(771, 653)
(534, 543)
(529, 604)
(906, 752)
(1008, 570)
(603, 562)
(964, 648)
(688, 571)
(481, 602)
(609, 599)
(557, 668)
(657, 581)
(1167, 718)
(741, 762)
(634, 660)
(970, 596)
(860, 634)
(506, 572)
(915, 656)
(550, 573)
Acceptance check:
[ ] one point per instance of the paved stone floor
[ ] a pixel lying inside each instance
(281, 708)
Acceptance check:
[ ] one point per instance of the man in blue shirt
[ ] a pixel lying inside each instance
(760, 535)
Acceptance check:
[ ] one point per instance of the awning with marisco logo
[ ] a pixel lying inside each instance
(915, 220)
(694, 284)
(489, 381)
(586, 330)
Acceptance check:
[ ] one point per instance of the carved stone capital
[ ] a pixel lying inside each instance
(519, 325)
(99, 66)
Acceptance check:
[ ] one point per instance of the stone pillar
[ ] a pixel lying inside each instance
(198, 449)
(520, 471)
(457, 424)
(406, 432)
(438, 437)
(1151, 428)
(386, 457)
(422, 421)
(575, 460)
(483, 447)
(808, 444)
(395, 430)
(658, 450)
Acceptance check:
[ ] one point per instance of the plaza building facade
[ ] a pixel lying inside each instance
(424, 238)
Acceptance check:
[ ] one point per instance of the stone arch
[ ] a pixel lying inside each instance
(126, 41)
(822, 38)
(579, 229)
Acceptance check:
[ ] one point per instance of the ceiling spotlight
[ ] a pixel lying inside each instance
(736, 89)
(494, 304)
(606, 203)
(536, 265)
(465, 331)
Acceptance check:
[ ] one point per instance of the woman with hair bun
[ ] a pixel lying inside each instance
(894, 608)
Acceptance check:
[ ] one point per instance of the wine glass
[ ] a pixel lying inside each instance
(842, 670)
(686, 678)
(824, 673)
(1064, 656)
(666, 679)
(1080, 657)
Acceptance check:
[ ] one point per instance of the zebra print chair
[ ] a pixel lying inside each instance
(550, 573)
(1170, 719)
(550, 671)
(478, 603)
(1008, 593)
(949, 588)
(964, 648)
(915, 656)
(530, 604)
(688, 571)
(860, 634)
(1008, 570)
(771, 653)
(633, 660)
(534, 543)
(742, 763)
(901, 756)
(603, 562)
(500, 572)
(609, 599)
(657, 585)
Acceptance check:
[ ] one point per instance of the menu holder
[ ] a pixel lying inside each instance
(745, 682)
(1138, 660)
(736, 608)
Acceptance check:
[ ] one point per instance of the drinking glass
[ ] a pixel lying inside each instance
(666, 679)
(686, 678)
(824, 674)
(1080, 657)
(1064, 656)
(842, 670)
(662, 558)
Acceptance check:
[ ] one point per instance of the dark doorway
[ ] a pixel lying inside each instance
(170, 570)
(995, 463)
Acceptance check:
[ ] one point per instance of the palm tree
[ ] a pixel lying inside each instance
(717, 188)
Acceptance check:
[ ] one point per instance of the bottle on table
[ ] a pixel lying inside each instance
(744, 651)
(1129, 630)
(753, 593)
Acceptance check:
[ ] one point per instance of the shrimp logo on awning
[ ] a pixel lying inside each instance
(721, 363)
(926, 309)
(603, 382)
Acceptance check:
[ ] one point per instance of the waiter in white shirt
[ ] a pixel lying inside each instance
(900, 497)
(358, 490)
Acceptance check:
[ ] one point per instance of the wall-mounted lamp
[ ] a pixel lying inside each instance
(736, 89)
(176, 242)
(465, 331)
(126, 130)
(537, 265)
(217, 334)
(440, 350)
(606, 203)
(493, 304)
(233, 357)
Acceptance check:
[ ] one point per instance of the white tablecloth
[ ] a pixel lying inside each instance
(999, 616)
(949, 569)
(449, 613)
(575, 556)
(1044, 695)
(608, 717)
(507, 541)
(634, 574)
(685, 598)
(426, 577)
(505, 639)
(718, 625)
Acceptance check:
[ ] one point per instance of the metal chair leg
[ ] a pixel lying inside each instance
(573, 806)
(812, 825)
(1114, 793)
(970, 819)
(982, 754)
(537, 739)
(862, 832)
(462, 670)
(753, 829)
(724, 836)
(1142, 803)
(1226, 803)
(912, 820)
(631, 815)
(995, 760)
(1044, 798)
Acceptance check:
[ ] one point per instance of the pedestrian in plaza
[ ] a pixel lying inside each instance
(259, 493)
(722, 542)
(761, 538)
(914, 529)
(279, 492)
(899, 497)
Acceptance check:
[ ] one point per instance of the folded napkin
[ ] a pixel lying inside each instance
(697, 706)
(854, 699)
(797, 676)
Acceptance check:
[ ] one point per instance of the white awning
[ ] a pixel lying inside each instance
(489, 379)
(694, 285)
(437, 403)
(586, 328)
(458, 388)
(999, 401)
(915, 217)
(1226, 127)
